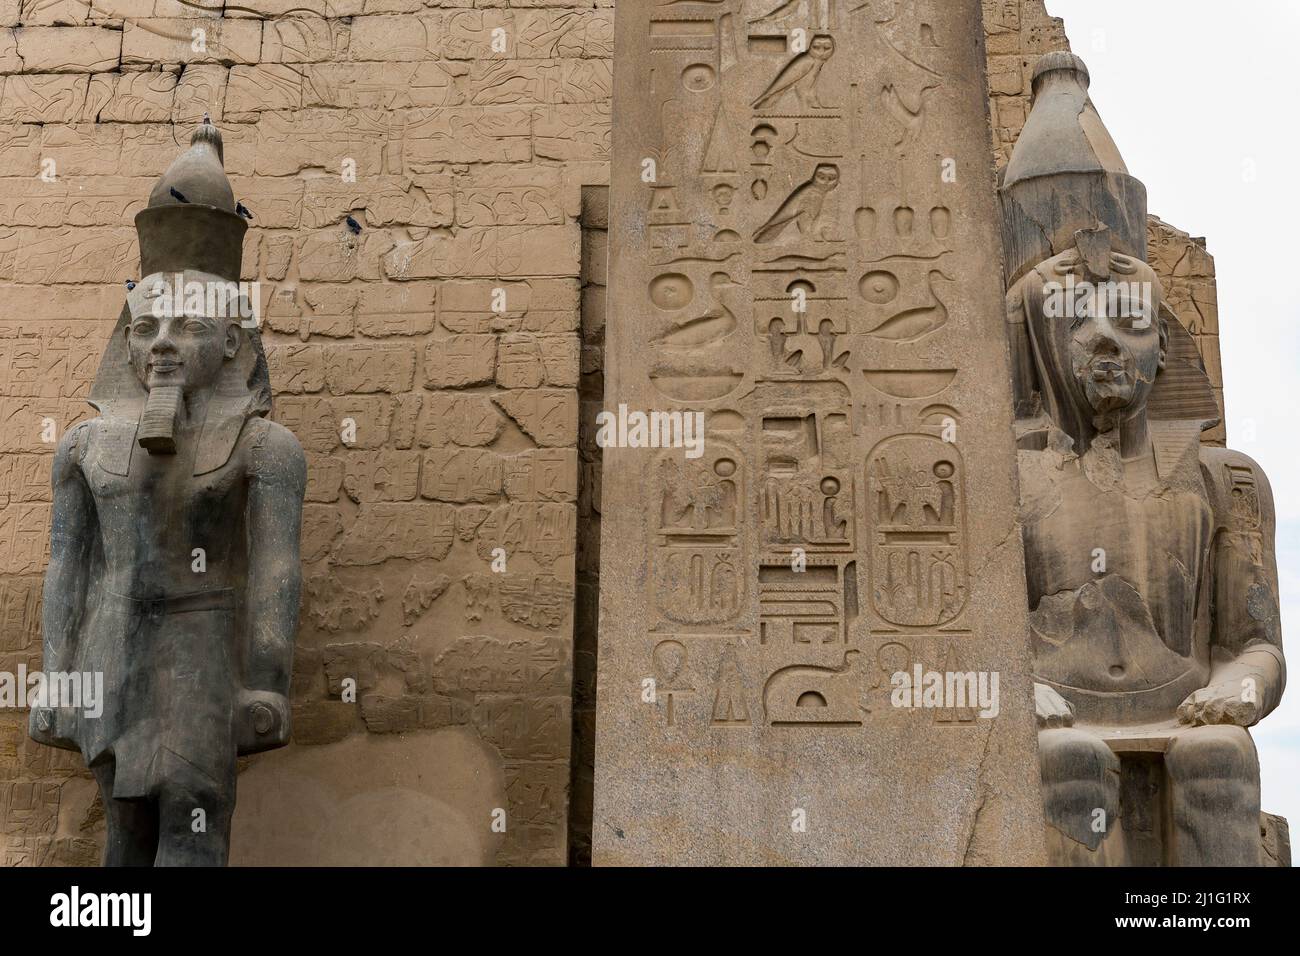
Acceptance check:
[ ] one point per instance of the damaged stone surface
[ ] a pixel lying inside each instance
(821, 285)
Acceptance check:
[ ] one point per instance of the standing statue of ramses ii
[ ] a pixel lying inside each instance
(174, 567)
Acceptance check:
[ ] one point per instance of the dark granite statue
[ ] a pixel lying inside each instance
(1150, 562)
(174, 568)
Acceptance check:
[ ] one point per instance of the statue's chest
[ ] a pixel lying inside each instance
(1155, 538)
(161, 491)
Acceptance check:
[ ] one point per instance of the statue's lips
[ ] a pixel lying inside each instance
(164, 367)
(1106, 370)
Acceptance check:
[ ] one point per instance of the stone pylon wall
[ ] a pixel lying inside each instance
(428, 364)
(468, 163)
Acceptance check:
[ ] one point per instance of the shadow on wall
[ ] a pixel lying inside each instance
(372, 800)
(591, 399)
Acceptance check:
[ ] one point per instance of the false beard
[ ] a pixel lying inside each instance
(157, 428)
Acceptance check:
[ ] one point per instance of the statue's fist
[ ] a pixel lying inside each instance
(1052, 709)
(44, 727)
(263, 722)
(1233, 702)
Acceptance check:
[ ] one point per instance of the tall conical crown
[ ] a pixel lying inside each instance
(1066, 174)
(190, 222)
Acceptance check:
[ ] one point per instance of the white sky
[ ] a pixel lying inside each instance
(1201, 98)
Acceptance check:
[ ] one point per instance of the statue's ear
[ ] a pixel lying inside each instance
(232, 340)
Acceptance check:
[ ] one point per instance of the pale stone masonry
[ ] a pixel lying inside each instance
(469, 163)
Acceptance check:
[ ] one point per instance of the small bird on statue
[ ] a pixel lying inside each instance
(354, 226)
(178, 195)
(243, 210)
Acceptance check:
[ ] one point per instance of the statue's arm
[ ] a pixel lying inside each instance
(277, 484)
(73, 527)
(1248, 670)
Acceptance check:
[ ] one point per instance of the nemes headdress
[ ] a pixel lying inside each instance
(1065, 187)
(189, 229)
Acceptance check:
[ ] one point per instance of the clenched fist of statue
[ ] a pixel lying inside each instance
(1052, 709)
(263, 720)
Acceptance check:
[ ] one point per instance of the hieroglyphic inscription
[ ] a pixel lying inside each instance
(787, 262)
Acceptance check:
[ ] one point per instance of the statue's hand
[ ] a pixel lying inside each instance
(1226, 702)
(1053, 710)
(263, 721)
(44, 727)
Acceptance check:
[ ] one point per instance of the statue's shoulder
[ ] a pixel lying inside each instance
(1238, 486)
(71, 448)
(82, 432)
(272, 448)
(263, 433)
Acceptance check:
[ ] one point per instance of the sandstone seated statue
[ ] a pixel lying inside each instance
(1150, 557)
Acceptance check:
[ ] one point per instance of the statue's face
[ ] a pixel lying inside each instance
(1105, 347)
(186, 350)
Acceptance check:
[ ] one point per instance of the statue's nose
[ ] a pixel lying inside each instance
(164, 341)
(1103, 334)
(167, 332)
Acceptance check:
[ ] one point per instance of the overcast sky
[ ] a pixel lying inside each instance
(1201, 98)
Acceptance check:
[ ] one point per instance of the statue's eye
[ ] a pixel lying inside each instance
(195, 326)
(144, 328)
(1134, 318)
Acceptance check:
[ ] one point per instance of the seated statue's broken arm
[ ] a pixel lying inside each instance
(1247, 668)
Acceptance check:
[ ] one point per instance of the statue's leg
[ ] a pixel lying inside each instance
(132, 825)
(1214, 792)
(194, 817)
(1080, 797)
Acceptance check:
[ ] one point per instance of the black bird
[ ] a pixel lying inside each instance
(130, 284)
(243, 210)
(178, 195)
(354, 226)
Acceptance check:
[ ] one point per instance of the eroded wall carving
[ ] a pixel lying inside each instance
(412, 175)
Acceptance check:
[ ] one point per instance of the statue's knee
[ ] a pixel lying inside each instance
(1220, 752)
(1080, 783)
(1067, 754)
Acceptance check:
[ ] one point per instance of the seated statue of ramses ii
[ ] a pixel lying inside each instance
(1151, 575)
